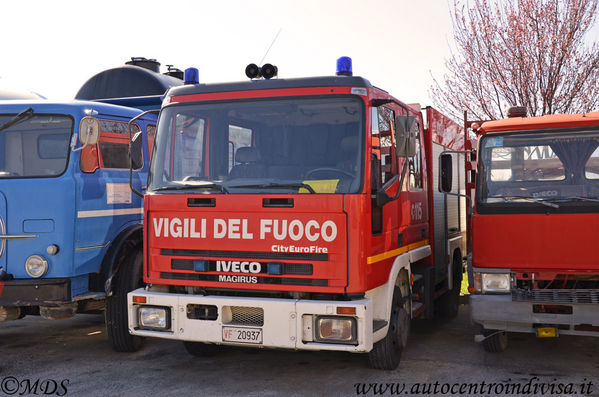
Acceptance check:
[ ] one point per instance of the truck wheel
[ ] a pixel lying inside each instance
(127, 279)
(495, 342)
(386, 353)
(200, 349)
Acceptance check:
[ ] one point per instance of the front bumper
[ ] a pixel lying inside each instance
(35, 292)
(500, 312)
(287, 323)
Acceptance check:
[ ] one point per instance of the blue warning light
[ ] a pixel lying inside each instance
(344, 66)
(192, 76)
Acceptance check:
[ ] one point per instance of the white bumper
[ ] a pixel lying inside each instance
(286, 323)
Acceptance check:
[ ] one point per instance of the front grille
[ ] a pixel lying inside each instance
(240, 315)
(580, 296)
(303, 269)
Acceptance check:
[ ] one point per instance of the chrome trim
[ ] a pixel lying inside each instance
(111, 212)
(3, 231)
(4, 237)
(92, 247)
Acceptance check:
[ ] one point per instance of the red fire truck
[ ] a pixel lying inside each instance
(535, 263)
(298, 213)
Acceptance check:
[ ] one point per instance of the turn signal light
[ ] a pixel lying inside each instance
(350, 311)
(139, 299)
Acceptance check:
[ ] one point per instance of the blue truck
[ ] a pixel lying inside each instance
(70, 227)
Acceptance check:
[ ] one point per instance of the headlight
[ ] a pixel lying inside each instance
(154, 317)
(36, 266)
(495, 282)
(336, 329)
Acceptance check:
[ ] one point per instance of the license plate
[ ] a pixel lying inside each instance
(242, 335)
(547, 332)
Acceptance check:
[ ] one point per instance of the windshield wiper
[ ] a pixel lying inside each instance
(575, 198)
(192, 186)
(511, 199)
(24, 115)
(279, 185)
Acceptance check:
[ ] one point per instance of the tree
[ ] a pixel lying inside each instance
(520, 52)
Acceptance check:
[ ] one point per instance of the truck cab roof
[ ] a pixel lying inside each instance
(541, 122)
(75, 107)
(251, 85)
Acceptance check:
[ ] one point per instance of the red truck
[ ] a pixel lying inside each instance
(300, 214)
(535, 263)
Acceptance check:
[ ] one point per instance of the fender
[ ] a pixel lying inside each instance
(132, 233)
(382, 296)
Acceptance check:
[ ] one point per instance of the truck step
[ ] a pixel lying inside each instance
(378, 324)
(417, 307)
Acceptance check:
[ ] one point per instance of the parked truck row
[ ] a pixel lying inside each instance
(316, 213)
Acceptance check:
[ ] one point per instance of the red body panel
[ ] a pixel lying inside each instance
(254, 230)
(558, 242)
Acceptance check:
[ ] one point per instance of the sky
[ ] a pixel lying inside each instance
(53, 47)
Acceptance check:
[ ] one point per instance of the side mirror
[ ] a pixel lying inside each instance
(406, 130)
(446, 172)
(89, 132)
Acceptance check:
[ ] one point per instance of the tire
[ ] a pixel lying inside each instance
(199, 349)
(495, 341)
(128, 278)
(449, 303)
(386, 353)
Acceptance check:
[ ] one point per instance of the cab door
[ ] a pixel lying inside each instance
(105, 202)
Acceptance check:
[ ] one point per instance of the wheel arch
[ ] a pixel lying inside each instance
(128, 238)
(382, 296)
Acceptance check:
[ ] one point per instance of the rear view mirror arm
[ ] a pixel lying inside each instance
(154, 111)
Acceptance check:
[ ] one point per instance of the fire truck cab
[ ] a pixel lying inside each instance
(297, 213)
(535, 266)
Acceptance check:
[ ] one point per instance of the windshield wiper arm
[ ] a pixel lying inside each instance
(575, 198)
(24, 115)
(528, 198)
(279, 185)
(211, 185)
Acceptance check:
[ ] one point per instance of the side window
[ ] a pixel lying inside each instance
(591, 169)
(382, 142)
(238, 137)
(112, 149)
(415, 162)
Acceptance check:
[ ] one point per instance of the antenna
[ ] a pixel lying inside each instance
(271, 44)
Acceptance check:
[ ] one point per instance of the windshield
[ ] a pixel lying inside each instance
(556, 169)
(279, 146)
(34, 146)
